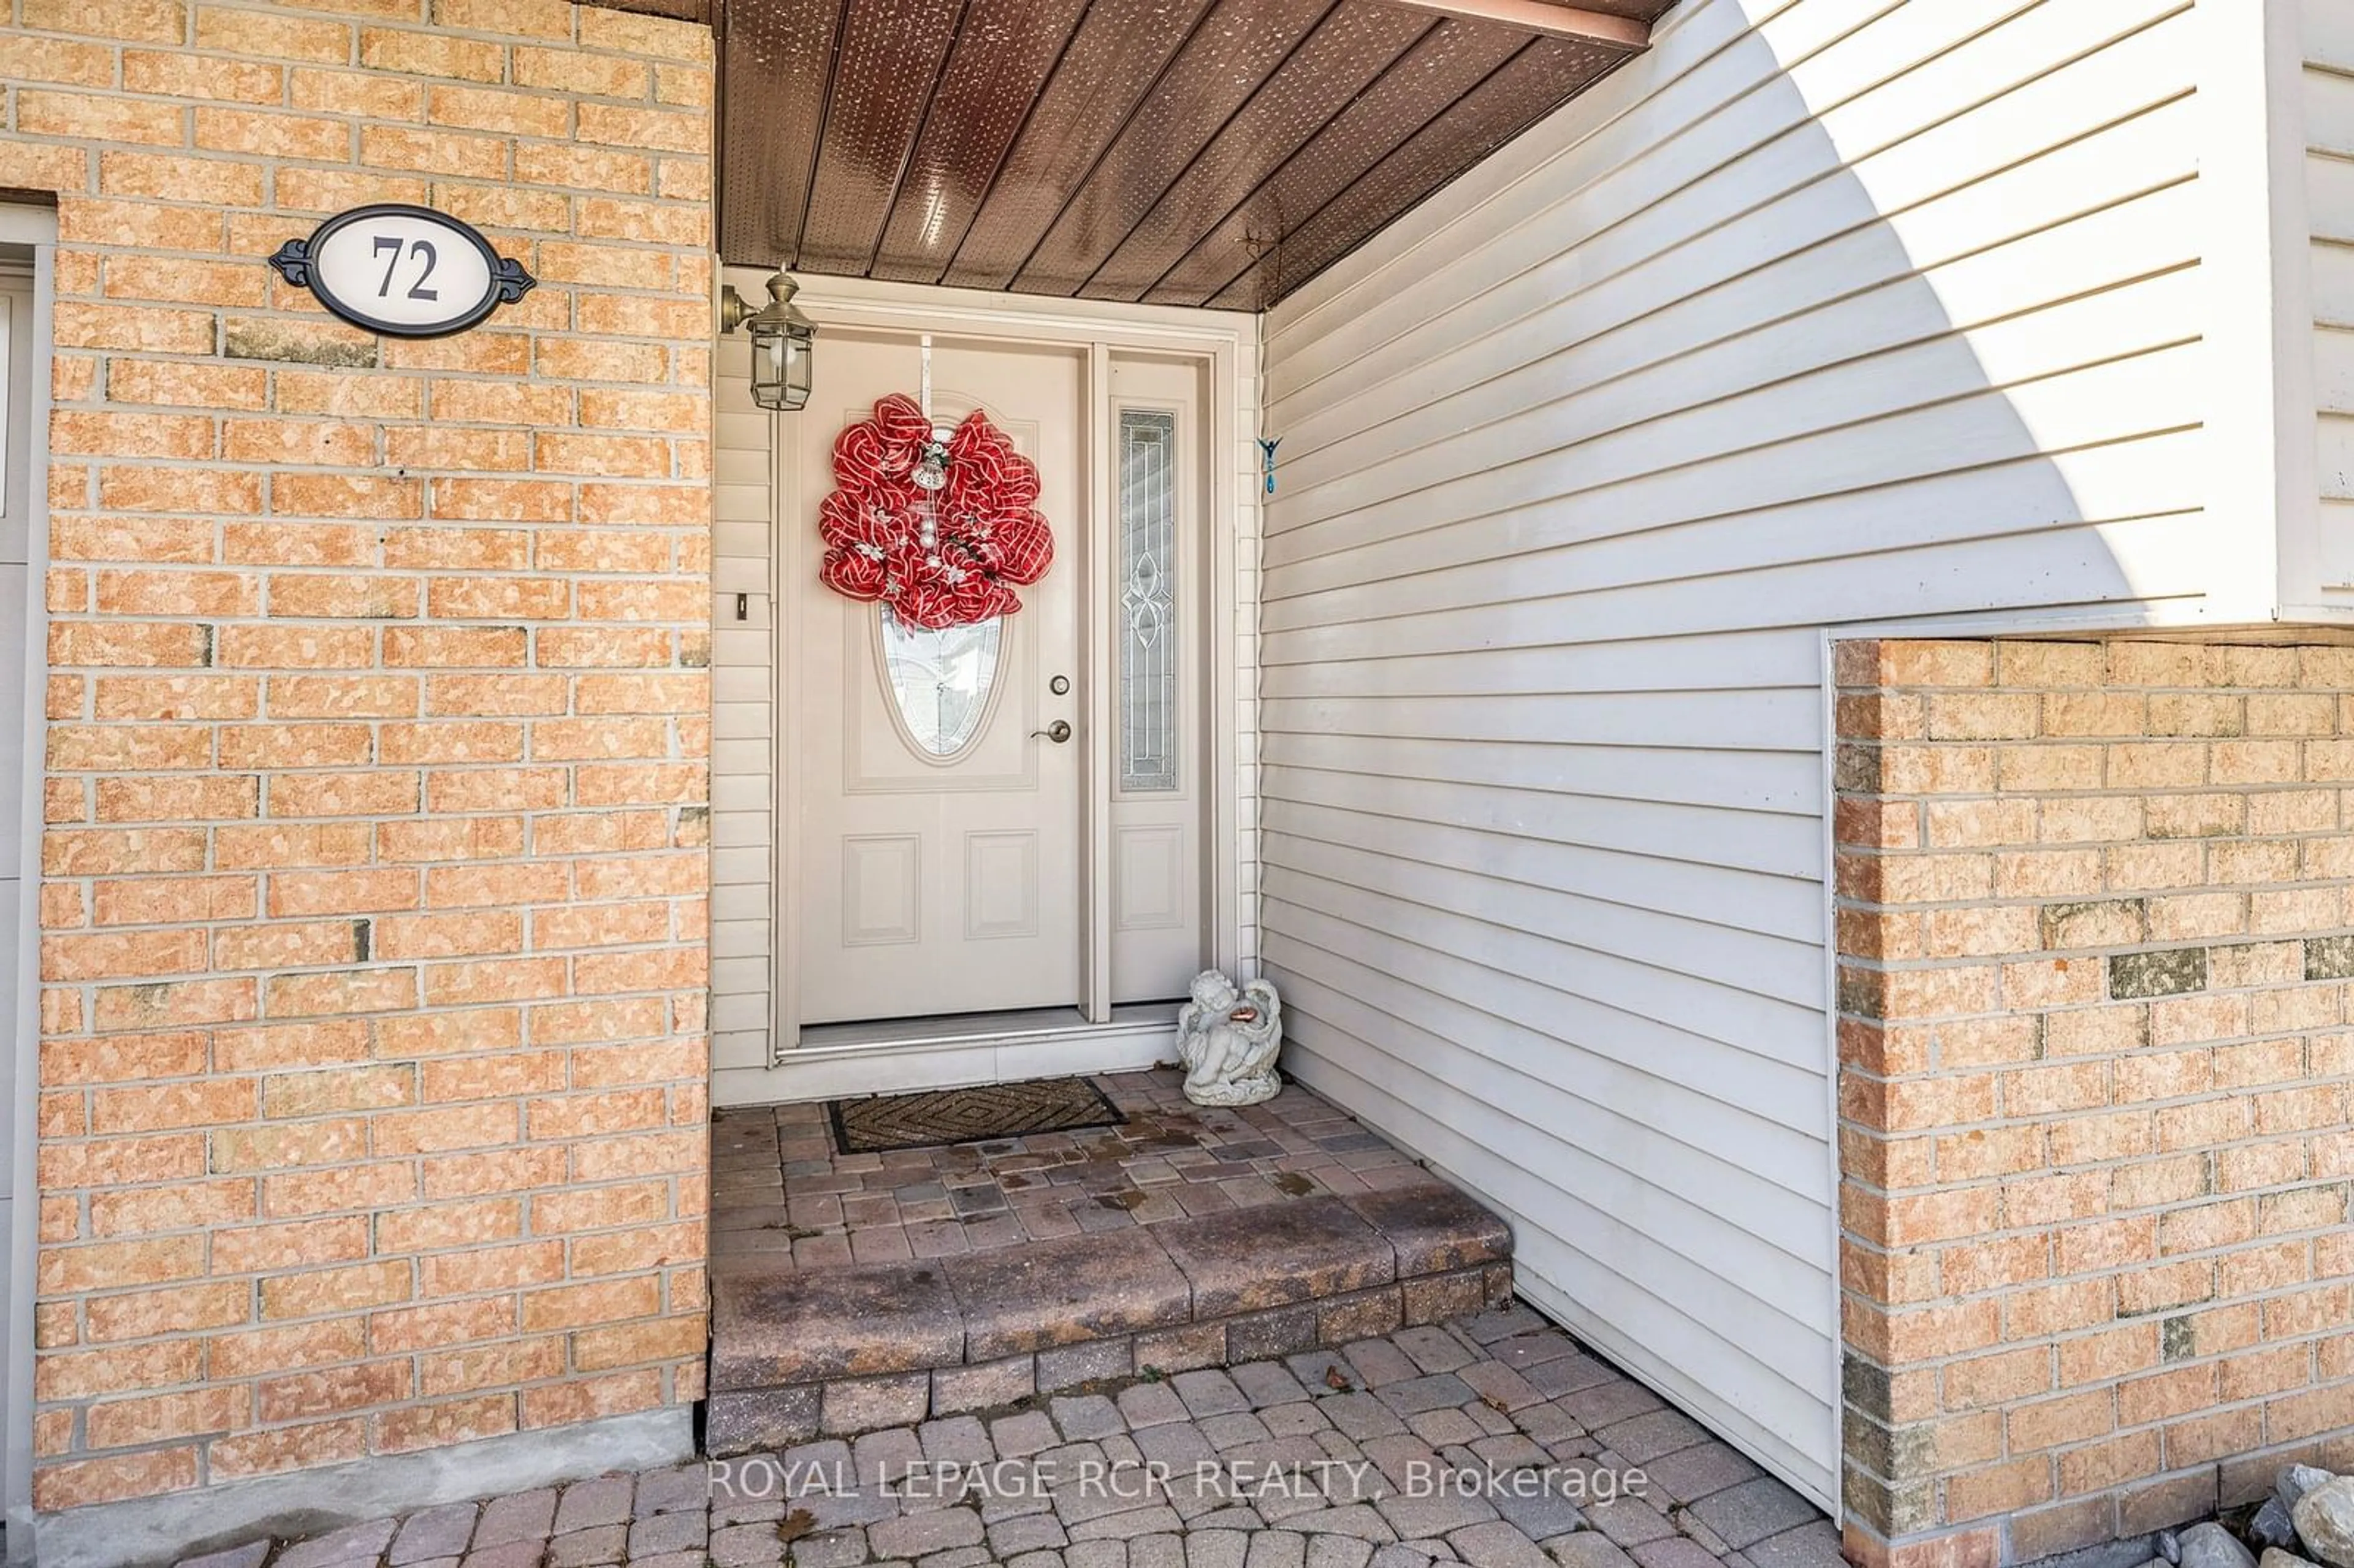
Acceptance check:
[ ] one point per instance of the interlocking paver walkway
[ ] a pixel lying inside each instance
(1437, 1444)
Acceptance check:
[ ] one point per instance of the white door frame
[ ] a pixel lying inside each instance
(36, 229)
(1227, 344)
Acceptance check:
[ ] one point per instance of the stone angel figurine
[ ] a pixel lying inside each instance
(1229, 1040)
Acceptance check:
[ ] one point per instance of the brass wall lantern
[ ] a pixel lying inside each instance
(783, 342)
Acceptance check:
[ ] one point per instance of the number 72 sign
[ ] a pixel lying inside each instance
(405, 271)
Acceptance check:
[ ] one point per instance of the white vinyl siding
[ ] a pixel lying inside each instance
(743, 743)
(2329, 115)
(1822, 312)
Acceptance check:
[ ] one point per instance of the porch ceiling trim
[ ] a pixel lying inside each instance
(1212, 153)
(703, 11)
(1544, 18)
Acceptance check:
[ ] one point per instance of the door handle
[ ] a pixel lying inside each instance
(1058, 732)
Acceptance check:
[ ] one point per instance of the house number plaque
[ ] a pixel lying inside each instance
(402, 271)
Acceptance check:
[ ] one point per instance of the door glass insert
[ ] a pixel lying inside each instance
(1148, 601)
(940, 679)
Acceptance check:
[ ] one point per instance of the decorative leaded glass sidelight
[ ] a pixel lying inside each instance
(1148, 687)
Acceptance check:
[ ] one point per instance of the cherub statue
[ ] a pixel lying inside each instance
(1229, 1040)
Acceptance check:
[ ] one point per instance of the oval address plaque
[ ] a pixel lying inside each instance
(405, 271)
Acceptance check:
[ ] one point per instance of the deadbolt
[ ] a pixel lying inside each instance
(1060, 685)
(1058, 732)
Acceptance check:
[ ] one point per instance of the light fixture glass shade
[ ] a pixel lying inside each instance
(784, 351)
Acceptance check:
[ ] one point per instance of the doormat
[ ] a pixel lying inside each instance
(882, 1122)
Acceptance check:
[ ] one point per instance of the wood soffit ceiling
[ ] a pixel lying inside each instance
(1181, 152)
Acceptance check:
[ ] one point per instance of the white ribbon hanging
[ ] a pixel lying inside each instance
(931, 470)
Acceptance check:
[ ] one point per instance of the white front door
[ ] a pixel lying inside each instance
(940, 838)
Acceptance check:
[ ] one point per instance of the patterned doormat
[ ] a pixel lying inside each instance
(883, 1122)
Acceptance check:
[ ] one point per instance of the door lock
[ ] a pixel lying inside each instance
(1058, 732)
(1060, 685)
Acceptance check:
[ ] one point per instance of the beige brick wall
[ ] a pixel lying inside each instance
(2096, 927)
(373, 1076)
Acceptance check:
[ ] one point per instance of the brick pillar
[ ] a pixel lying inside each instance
(373, 1072)
(2096, 920)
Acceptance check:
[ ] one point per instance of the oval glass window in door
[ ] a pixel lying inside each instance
(942, 679)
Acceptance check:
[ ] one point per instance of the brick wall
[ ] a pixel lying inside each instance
(2096, 923)
(373, 1068)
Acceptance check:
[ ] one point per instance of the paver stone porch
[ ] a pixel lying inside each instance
(853, 1293)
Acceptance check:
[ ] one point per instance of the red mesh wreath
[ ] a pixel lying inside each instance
(941, 532)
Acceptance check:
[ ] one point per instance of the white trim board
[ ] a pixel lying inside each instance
(2259, 336)
(37, 225)
(23, 224)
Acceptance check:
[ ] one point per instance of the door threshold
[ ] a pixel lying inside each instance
(900, 1055)
(964, 1028)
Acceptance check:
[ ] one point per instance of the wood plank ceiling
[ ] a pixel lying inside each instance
(1181, 152)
